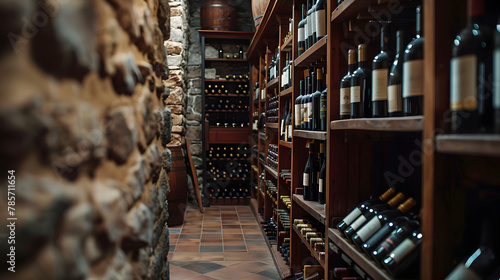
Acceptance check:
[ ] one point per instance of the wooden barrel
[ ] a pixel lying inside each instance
(258, 10)
(177, 197)
(218, 15)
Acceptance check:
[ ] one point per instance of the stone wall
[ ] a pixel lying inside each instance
(85, 128)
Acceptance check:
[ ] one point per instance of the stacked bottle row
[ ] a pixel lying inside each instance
(237, 78)
(234, 191)
(228, 151)
(272, 110)
(238, 55)
(312, 27)
(394, 87)
(216, 88)
(284, 247)
(271, 190)
(272, 156)
(270, 228)
(228, 103)
(228, 170)
(386, 230)
(273, 69)
(312, 234)
(311, 104)
(314, 176)
(286, 123)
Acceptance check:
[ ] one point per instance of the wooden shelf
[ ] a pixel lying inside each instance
(312, 55)
(226, 60)
(226, 81)
(469, 144)
(349, 9)
(285, 144)
(311, 249)
(287, 45)
(286, 92)
(225, 111)
(226, 159)
(313, 208)
(226, 34)
(318, 135)
(272, 83)
(229, 179)
(272, 125)
(271, 171)
(367, 265)
(283, 269)
(381, 124)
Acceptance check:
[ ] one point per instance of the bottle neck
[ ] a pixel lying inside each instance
(401, 43)
(313, 82)
(419, 30)
(319, 85)
(362, 64)
(384, 38)
(351, 68)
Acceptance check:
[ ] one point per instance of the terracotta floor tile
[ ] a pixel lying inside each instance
(270, 273)
(235, 248)
(211, 249)
(201, 277)
(257, 277)
(228, 274)
(188, 248)
(202, 267)
(177, 273)
(252, 267)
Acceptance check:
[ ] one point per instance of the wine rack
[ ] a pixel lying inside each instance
(228, 116)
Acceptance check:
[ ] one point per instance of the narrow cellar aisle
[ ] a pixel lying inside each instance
(224, 243)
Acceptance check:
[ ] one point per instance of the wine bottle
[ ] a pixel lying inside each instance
(382, 234)
(404, 254)
(316, 96)
(470, 67)
(310, 100)
(373, 210)
(380, 75)
(323, 109)
(413, 72)
(485, 260)
(381, 219)
(313, 176)
(221, 53)
(240, 54)
(496, 79)
(345, 86)
(289, 123)
(305, 100)
(301, 32)
(394, 239)
(363, 206)
(394, 88)
(322, 174)
(307, 173)
(298, 106)
(309, 24)
(320, 19)
(283, 129)
(361, 87)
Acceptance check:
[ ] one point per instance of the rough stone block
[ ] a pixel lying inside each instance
(166, 160)
(176, 140)
(195, 83)
(198, 162)
(177, 119)
(194, 132)
(193, 72)
(211, 52)
(194, 58)
(196, 149)
(193, 116)
(139, 231)
(164, 14)
(174, 48)
(176, 35)
(111, 207)
(176, 11)
(209, 72)
(178, 129)
(175, 60)
(176, 96)
(175, 79)
(194, 91)
(176, 22)
(177, 109)
(137, 178)
(166, 127)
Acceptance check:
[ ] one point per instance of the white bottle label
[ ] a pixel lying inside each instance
(309, 26)
(321, 188)
(297, 114)
(496, 79)
(359, 222)
(302, 113)
(413, 78)
(463, 273)
(309, 111)
(321, 23)
(355, 94)
(369, 229)
(352, 216)
(301, 34)
(306, 31)
(305, 181)
(289, 132)
(282, 127)
(345, 101)
(394, 99)
(379, 87)
(402, 250)
(313, 21)
(463, 82)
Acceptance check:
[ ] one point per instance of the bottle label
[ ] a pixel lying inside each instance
(345, 101)
(321, 184)
(309, 111)
(380, 78)
(402, 250)
(413, 78)
(394, 98)
(282, 127)
(305, 181)
(320, 23)
(369, 229)
(463, 82)
(289, 132)
(301, 36)
(359, 222)
(306, 31)
(355, 94)
(352, 216)
(297, 114)
(309, 26)
(461, 272)
(496, 79)
(322, 109)
(313, 24)
(304, 113)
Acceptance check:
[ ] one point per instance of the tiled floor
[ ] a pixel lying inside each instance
(224, 243)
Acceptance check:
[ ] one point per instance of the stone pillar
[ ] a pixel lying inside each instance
(85, 130)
